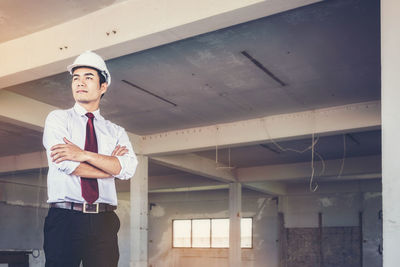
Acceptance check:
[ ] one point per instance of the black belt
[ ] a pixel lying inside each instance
(84, 207)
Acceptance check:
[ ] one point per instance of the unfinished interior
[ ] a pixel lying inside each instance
(258, 126)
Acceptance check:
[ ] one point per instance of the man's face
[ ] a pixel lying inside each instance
(86, 87)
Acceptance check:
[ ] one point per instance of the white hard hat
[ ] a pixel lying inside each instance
(91, 59)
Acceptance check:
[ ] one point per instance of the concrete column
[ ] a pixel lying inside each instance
(235, 209)
(390, 41)
(139, 214)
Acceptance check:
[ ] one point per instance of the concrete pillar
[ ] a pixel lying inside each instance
(390, 52)
(139, 214)
(235, 209)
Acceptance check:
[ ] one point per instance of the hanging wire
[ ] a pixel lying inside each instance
(344, 156)
(322, 162)
(229, 157)
(216, 155)
(216, 148)
(284, 149)
(229, 160)
(312, 188)
(229, 167)
(314, 141)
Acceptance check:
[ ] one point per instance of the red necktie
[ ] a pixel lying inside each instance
(90, 188)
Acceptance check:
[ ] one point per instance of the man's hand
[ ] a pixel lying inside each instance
(119, 151)
(67, 151)
(70, 151)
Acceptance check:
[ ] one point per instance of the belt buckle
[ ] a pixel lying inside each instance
(90, 208)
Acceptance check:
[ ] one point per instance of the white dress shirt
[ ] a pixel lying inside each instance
(62, 185)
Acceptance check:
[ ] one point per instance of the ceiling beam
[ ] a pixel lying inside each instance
(29, 113)
(23, 111)
(179, 180)
(185, 183)
(326, 121)
(190, 188)
(270, 188)
(266, 179)
(197, 165)
(28, 161)
(125, 28)
(355, 168)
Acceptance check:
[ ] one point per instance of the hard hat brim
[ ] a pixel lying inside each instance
(72, 66)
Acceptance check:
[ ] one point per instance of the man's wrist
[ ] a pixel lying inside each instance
(86, 156)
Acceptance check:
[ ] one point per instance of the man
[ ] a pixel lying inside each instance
(85, 154)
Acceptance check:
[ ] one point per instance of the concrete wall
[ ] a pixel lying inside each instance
(390, 54)
(22, 212)
(340, 206)
(23, 209)
(210, 204)
(372, 229)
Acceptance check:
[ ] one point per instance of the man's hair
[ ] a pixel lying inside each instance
(102, 78)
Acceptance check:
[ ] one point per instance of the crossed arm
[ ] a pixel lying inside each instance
(92, 165)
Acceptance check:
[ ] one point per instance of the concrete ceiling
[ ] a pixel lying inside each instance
(326, 54)
(15, 140)
(328, 147)
(19, 17)
(317, 56)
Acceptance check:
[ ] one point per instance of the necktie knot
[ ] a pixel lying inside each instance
(90, 115)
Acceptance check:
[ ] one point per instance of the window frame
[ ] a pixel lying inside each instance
(211, 230)
(172, 240)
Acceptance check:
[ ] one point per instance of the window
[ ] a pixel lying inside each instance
(220, 233)
(201, 233)
(182, 233)
(209, 233)
(246, 233)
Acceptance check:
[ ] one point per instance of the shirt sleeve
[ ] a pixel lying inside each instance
(128, 161)
(55, 130)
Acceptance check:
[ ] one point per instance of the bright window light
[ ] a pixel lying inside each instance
(182, 233)
(220, 233)
(201, 233)
(209, 233)
(246, 232)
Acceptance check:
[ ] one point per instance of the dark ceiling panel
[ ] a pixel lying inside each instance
(328, 147)
(16, 140)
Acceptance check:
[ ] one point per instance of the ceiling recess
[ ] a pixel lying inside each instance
(263, 68)
(150, 93)
(270, 148)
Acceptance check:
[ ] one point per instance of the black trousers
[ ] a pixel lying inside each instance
(72, 236)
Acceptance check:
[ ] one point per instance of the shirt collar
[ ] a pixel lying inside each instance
(82, 111)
